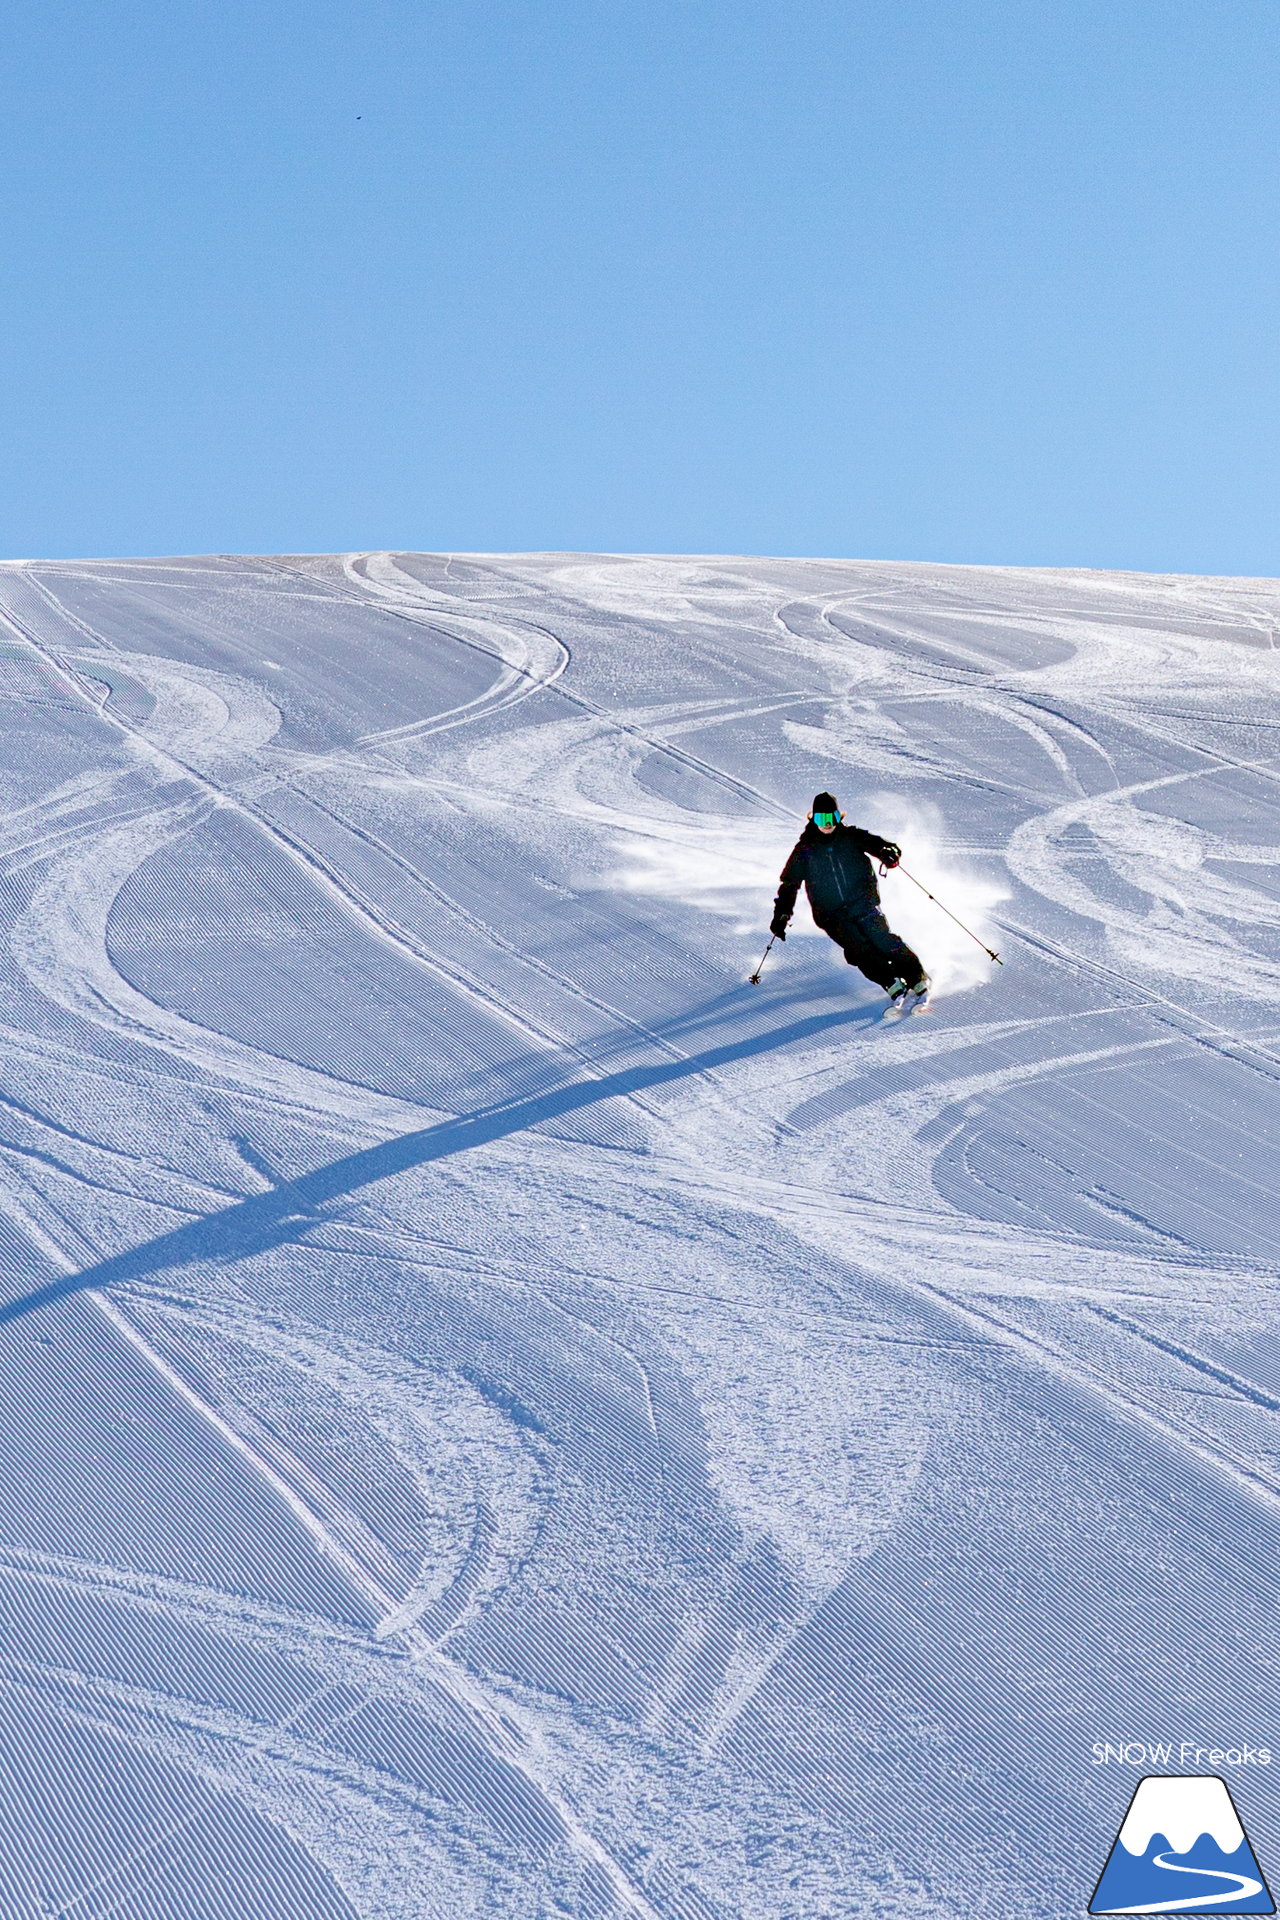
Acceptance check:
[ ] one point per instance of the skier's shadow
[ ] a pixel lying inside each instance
(270, 1219)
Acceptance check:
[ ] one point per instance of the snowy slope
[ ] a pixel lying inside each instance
(501, 1417)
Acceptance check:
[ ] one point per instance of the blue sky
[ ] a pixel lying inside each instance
(922, 279)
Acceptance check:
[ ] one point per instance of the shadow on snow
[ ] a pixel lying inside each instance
(266, 1220)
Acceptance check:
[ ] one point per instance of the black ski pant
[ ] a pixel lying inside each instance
(870, 944)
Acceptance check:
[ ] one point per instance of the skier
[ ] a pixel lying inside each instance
(834, 862)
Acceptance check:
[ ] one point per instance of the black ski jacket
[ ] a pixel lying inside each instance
(837, 874)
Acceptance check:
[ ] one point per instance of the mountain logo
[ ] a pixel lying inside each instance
(1182, 1849)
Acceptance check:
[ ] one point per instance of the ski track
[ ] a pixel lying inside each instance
(594, 1587)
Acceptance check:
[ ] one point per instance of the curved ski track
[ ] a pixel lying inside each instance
(735, 1138)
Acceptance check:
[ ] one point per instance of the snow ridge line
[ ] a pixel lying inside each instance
(1053, 1359)
(775, 1199)
(491, 1722)
(533, 961)
(355, 901)
(1246, 1053)
(345, 894)
(500, 1728)
(581, 701)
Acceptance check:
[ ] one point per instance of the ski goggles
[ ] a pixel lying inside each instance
(826, 819)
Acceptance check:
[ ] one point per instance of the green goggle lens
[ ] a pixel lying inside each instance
(825, 819)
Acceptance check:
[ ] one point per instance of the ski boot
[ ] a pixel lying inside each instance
(909, 999)
(916, 998)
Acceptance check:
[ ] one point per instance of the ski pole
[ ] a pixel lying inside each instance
(951, 916)
(755, 978)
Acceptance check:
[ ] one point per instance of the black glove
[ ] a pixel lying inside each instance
(778, 928)
(889, 854)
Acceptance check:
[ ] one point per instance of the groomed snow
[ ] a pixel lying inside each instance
(501, 1418)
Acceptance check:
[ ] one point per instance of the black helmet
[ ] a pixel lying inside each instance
(824, 803)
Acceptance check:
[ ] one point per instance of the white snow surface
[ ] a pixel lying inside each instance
(499, 1416)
